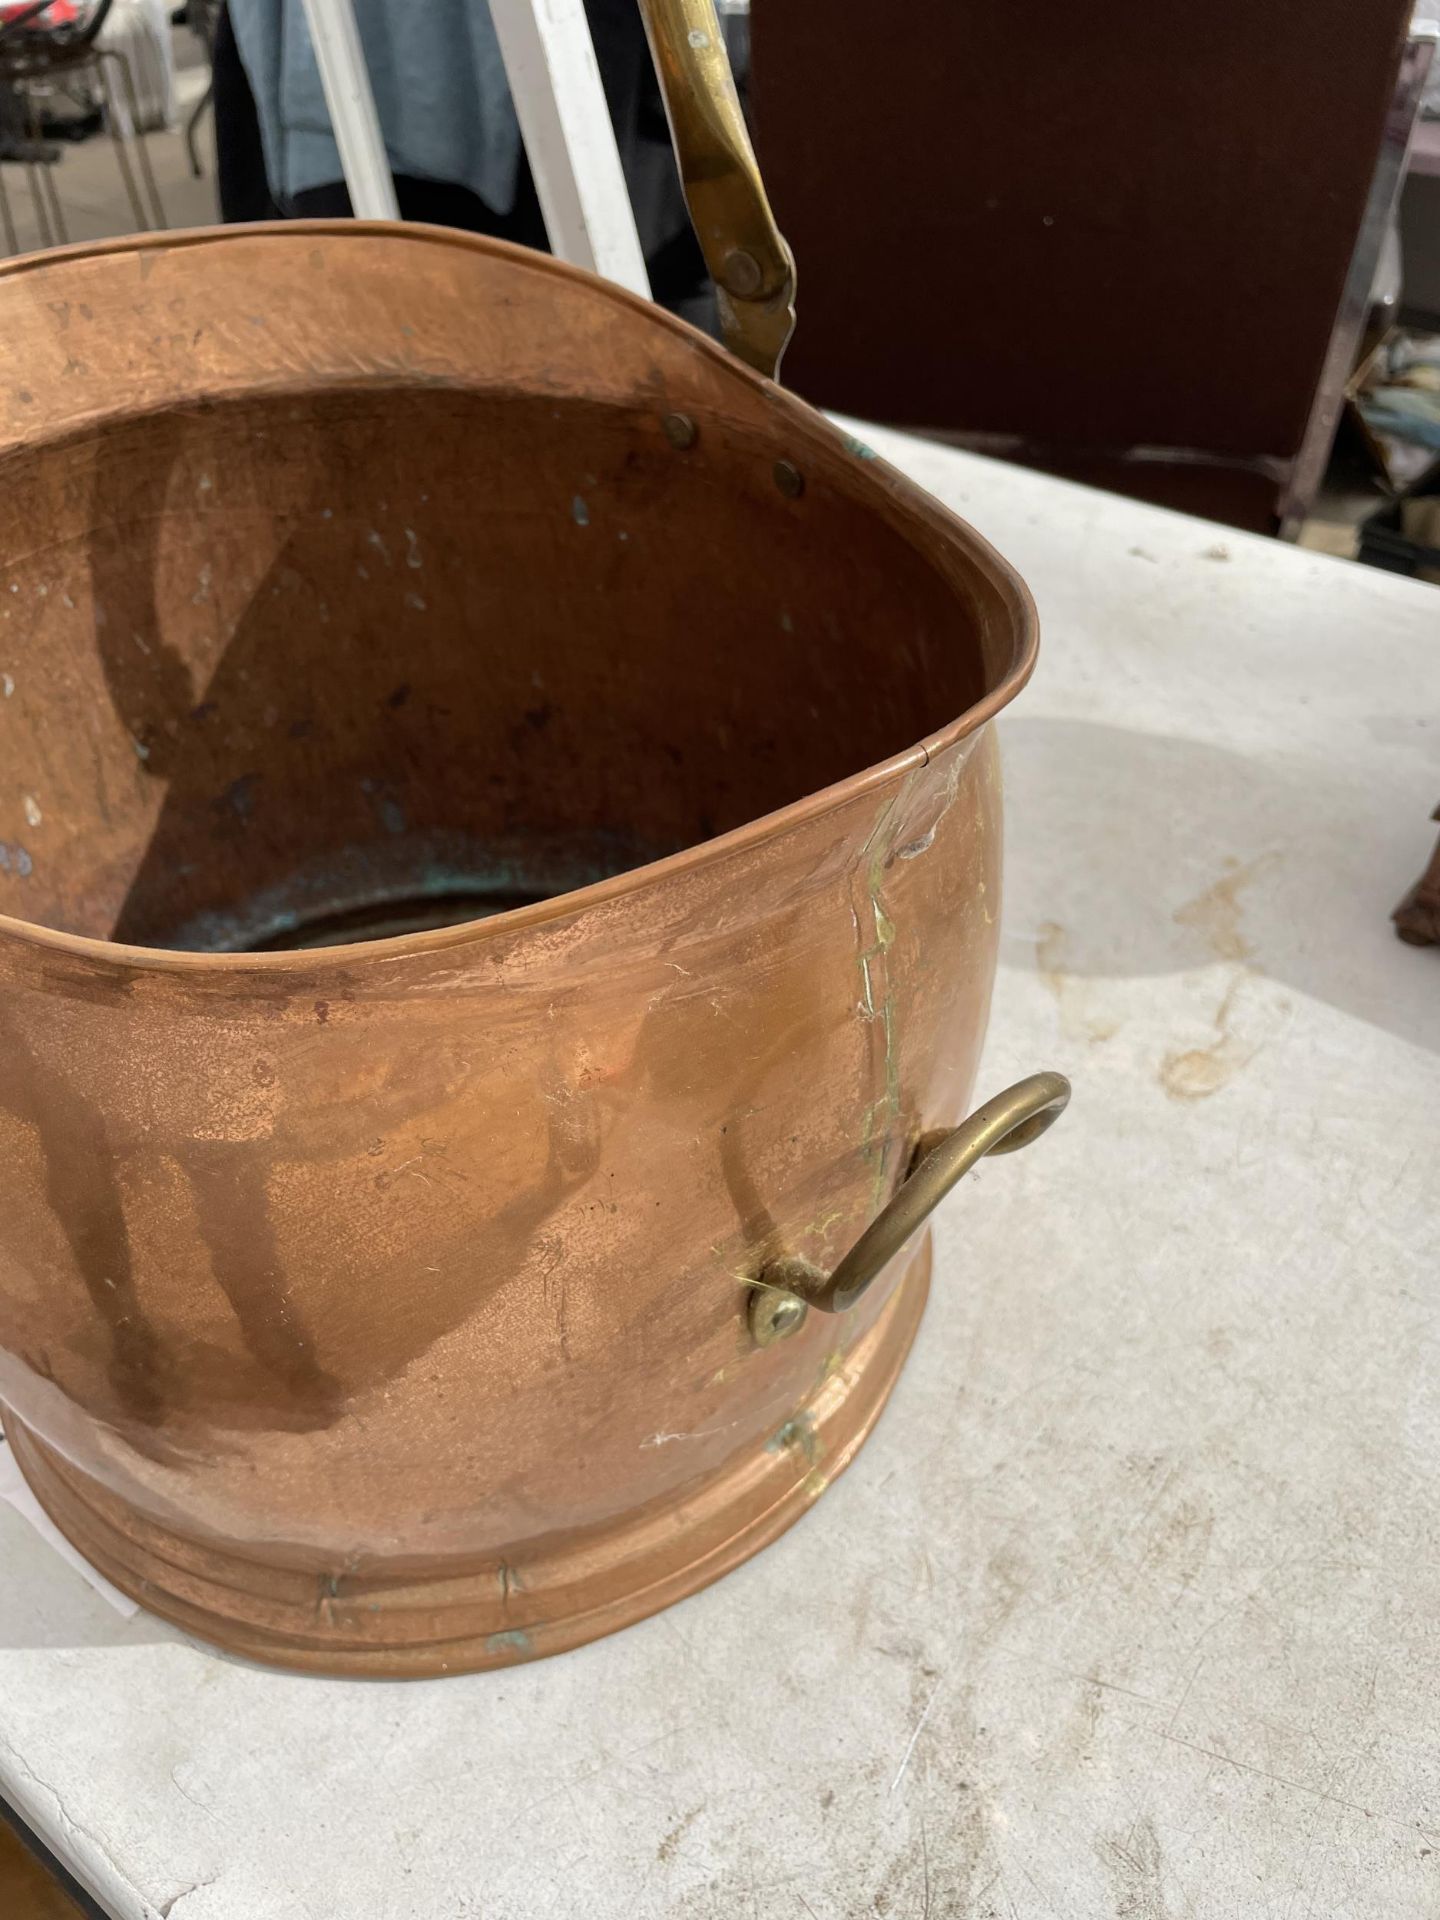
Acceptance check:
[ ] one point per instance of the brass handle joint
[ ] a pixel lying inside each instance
(751, 265)
(1011, 1120)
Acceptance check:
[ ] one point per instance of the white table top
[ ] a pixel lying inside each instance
(1132, 1604)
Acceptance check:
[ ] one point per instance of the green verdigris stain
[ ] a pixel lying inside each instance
(510, 1581)
(798, 1435)
(859, 448)
(512, 1640)
(878, 1000)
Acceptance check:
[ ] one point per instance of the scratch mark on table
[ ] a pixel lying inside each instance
(919, 1729)
(1298, 1786)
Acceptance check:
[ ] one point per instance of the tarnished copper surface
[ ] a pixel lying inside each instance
(383, 1306)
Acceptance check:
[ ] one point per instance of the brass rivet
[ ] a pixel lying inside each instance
(680, 430)
(775, 1316)
(740, 273)
(789, 480)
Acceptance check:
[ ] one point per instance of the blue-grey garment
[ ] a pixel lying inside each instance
(439, 85)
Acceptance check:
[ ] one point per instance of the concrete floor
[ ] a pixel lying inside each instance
(93, 202)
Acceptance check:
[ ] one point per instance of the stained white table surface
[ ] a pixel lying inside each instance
(1131, 1606)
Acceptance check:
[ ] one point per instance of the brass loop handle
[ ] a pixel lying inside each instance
(1003, 1125)
(753, 270)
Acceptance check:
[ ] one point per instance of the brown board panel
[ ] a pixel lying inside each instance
(1101, 226)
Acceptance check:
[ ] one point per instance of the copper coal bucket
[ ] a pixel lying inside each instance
(500, 840)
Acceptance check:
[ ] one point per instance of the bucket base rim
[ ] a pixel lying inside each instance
(459, 1621)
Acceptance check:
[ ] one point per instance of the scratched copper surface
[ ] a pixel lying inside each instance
(381, 1305)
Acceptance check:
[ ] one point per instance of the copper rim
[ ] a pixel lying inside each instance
(925, 509)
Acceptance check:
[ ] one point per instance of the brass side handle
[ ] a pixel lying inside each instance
(753, 270)
(1013, 1119)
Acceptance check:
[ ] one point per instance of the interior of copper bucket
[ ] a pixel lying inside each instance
(288, 669)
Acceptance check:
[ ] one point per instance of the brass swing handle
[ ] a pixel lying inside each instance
(1003, 1125)
(751, 265)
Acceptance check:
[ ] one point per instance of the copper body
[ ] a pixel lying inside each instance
(381, 1307)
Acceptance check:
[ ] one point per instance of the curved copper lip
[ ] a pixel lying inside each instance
(878, 473)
